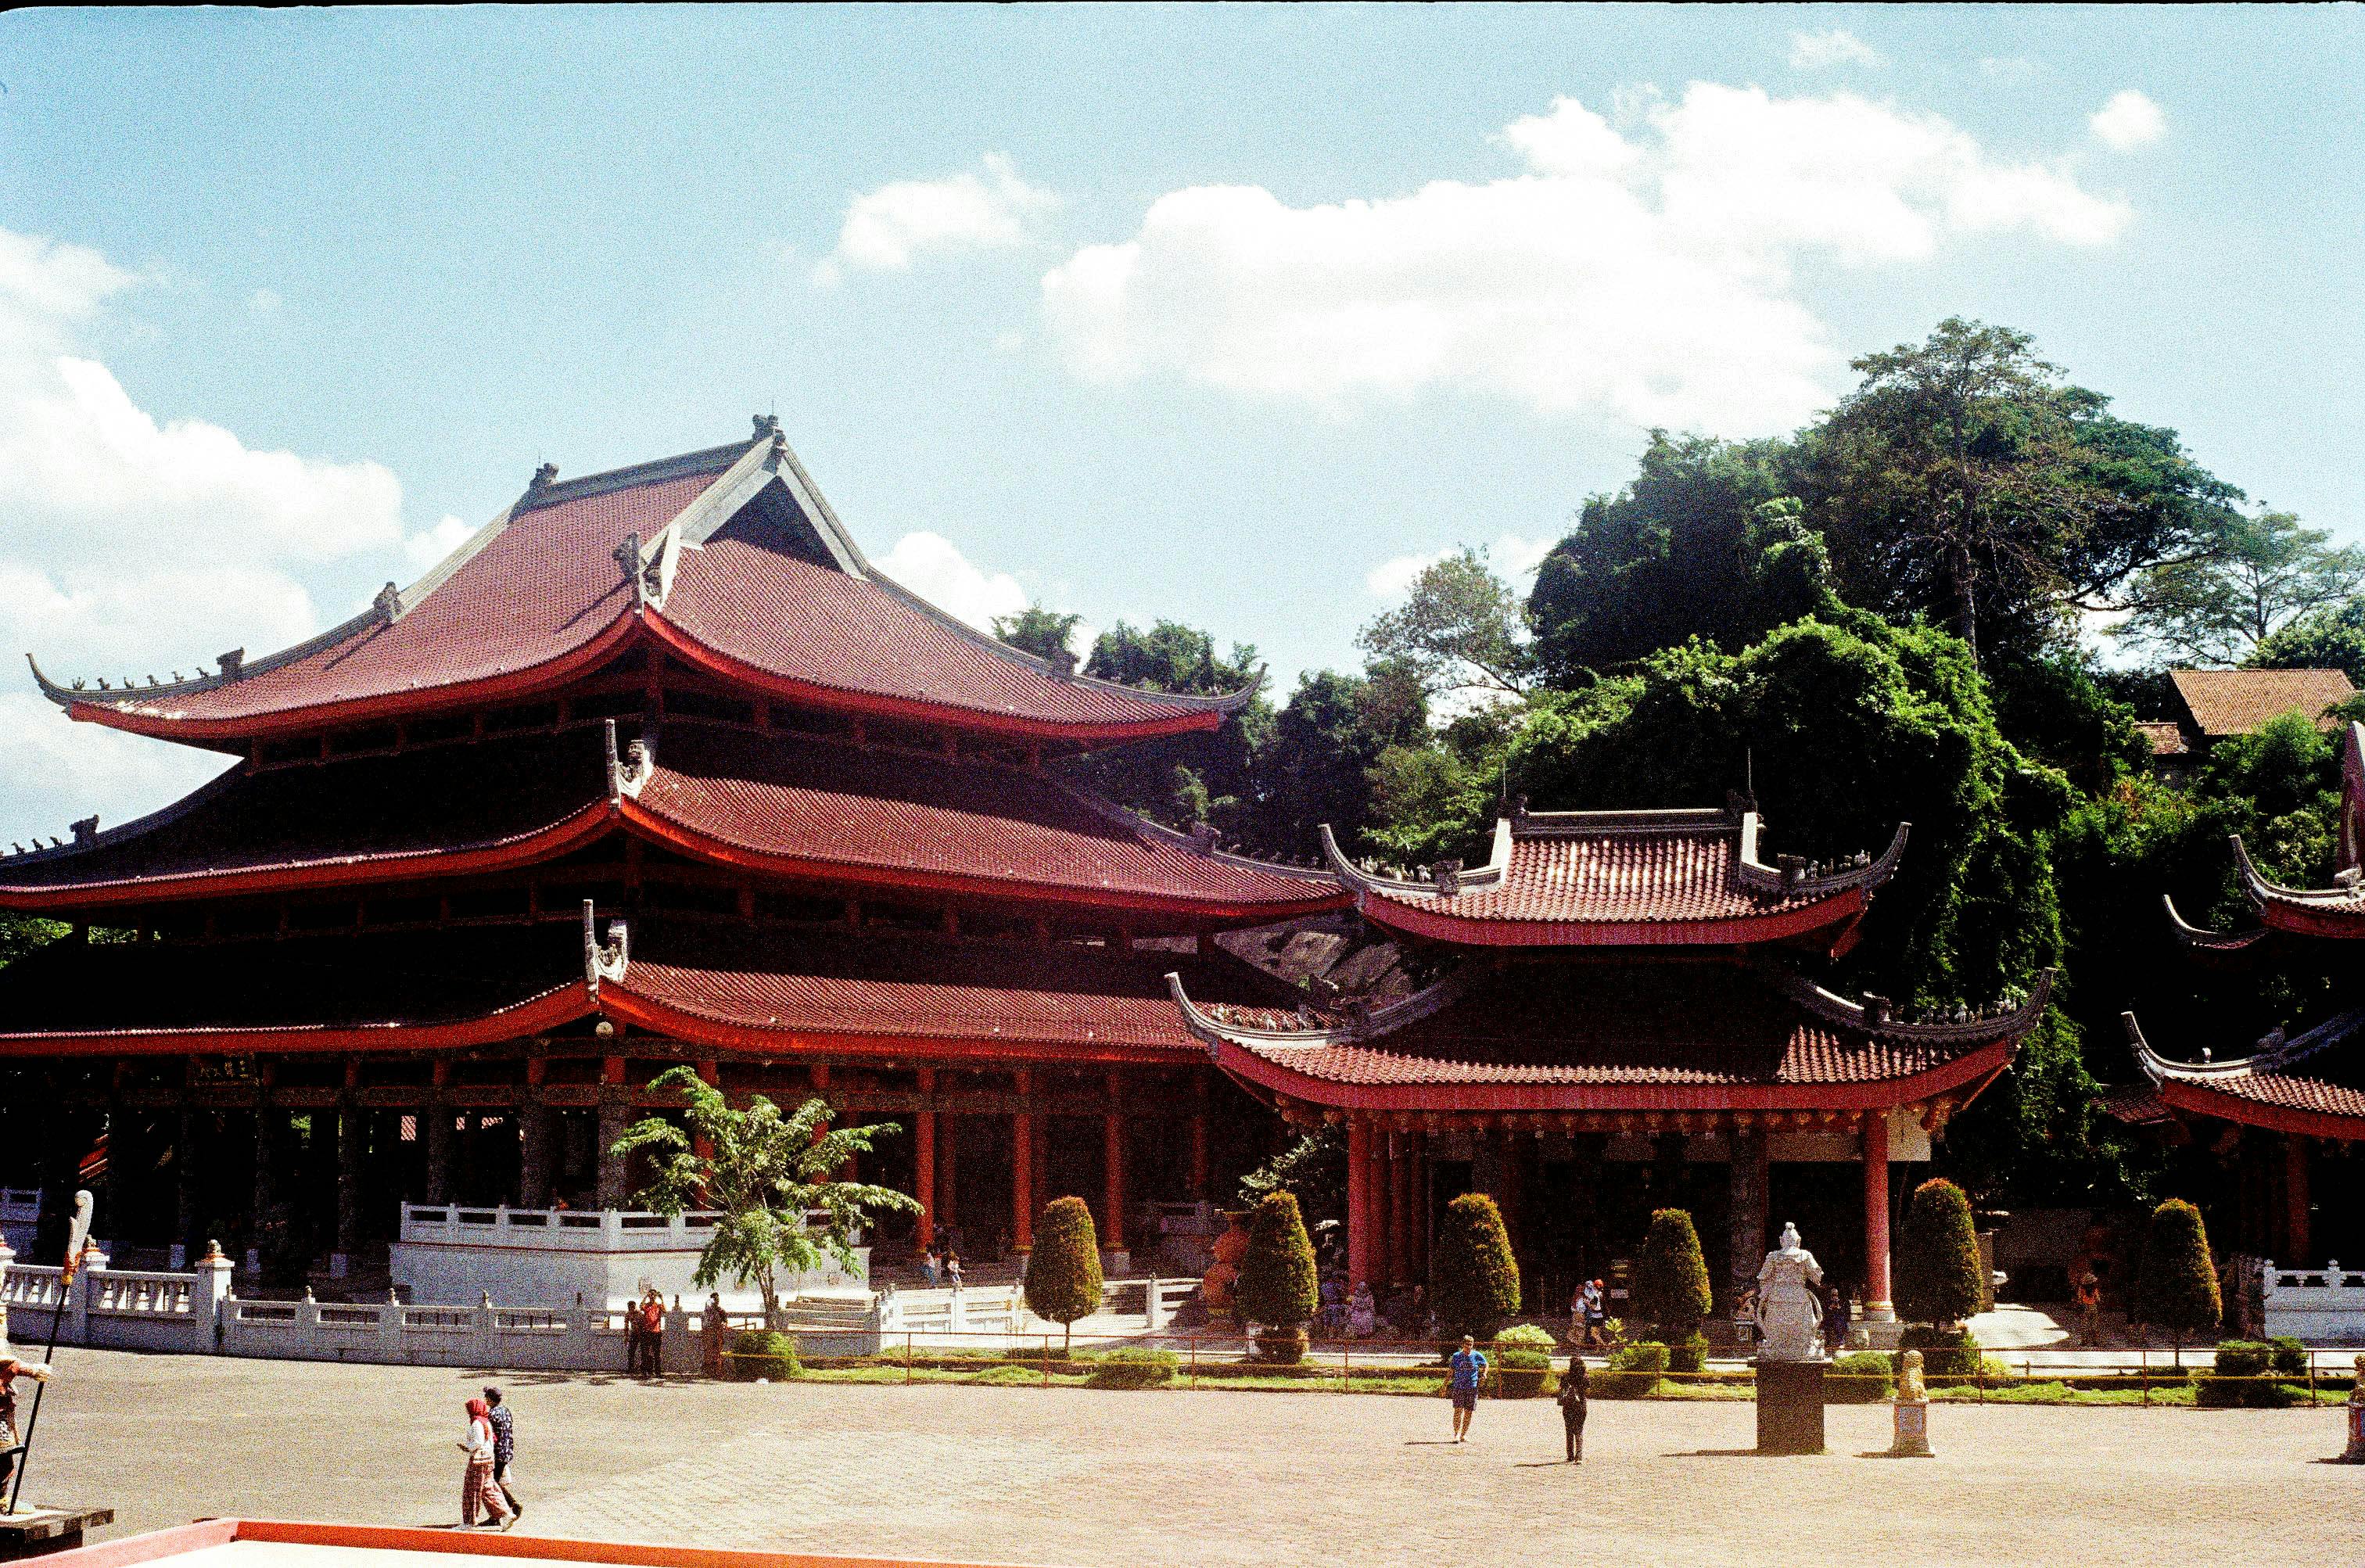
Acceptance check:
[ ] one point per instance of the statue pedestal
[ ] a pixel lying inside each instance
(1912, 1437)
(2355, 1453)
(1790, 1406)
(38, 1532)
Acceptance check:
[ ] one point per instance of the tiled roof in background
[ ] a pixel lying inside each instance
(2235, 701)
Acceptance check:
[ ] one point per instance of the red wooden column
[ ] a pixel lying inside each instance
(1022, 1166)
(1113, 1166)
(1199, 1138)
(1359, 1199)
(1377, 1175)
(1877, 1306)
(948, 1199)
(2296, 1237)
(1400, 1156)
(924, 1165)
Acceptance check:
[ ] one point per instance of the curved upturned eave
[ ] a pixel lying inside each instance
(2193, 1087)
(539, 1013)
(620, 1001)
(2333, 912)
(2205, 940)
(672, 833)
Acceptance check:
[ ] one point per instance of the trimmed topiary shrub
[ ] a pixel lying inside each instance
(1474, 1281)
(1134, 1366)
(1634, 1373)
(1063, 1277)
(2178, 1288)
(1688, 1354)
(1937, 1257)
(1861, 1377)
(2290, 1358)
(761, 1353)
(2242, 1376)
(1278, 1289)
(1522, 1356)
(1671, 1290)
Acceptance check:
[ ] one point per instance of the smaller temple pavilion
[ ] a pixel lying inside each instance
(2287, 1113)
(1620, 1021)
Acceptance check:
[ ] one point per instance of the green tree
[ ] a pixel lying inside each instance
(1473, 1280)
(1316, 761)
(1461, 627)
(1313, 1171)
(2177, 1289)
(769, 1177)
(1278, 1288)
(1937, 1257)
(1064, 1272)
(2329, 637)
(1040, 631)
(2251, 578)
(1178, 780)
(1671, 1288)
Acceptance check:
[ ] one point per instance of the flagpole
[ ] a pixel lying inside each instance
(76, 1235)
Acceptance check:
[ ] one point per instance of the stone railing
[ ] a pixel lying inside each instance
(117, 1309)
(2322, 1306)
(587, 1231)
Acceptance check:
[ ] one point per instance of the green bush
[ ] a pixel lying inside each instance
(1688, 1354)
(1037, 1354)
(1861, 1377)
(1278, 1286)
(2239, 1377)
(1282, 1345)
(1063, 1276)
(1522, 1356)
(761, 1353)
(1134, 1366)
(1671, 1290)
(1634, 1373)
(2178, 1287)
(1474, 1281)
(1937, 1257)
(2244, 1357)
(1949, 1354)
(2212, 1392)
(2291, 1356)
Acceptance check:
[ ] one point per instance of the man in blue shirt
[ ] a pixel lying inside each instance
(1468, 1369)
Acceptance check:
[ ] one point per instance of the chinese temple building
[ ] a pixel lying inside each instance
(2287, 1113)
(1621, 987)
(655, 769)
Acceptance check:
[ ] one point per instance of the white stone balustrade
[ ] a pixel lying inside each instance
(2322, 1306)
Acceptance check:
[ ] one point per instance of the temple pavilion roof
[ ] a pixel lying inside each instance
(2336, 913)
(782, 804)
(727, 560)
(1617, 1035)
(1645, 878)
(775, 990)
(2312, 1084)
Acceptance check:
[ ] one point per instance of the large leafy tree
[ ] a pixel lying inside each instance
(2330, 637)
(1040, 631)
(770, 1174)
(1965, 480)
(1461, 627)
(2256, 575)
(1316, 761)
(1178, 780)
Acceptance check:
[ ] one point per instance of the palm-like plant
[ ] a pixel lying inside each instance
(767, 1174)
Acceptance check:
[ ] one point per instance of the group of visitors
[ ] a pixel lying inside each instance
(644, 1326)
(1589, 1316)
(491, 1445)
(1360, 1314)
(941, 1265)
(1466, 1375)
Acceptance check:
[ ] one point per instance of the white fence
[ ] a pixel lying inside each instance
(2322, 1306)
(586, 1256)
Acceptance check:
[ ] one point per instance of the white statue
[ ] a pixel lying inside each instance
(1789, 1315)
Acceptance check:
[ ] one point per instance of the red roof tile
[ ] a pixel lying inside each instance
(2165, 736)
(771, 594)
(2235, 701)
(781, 805)
(1621, 879)
(2312, 1084)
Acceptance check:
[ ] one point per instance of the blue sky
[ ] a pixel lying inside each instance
(1220, 314)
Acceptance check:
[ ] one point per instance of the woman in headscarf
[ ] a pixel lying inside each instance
(476, 1486)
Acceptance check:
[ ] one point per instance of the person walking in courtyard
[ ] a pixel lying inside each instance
(1572, 1406)
(718, 1331)
(11, 1369)
(1590, 1314)
(476, 1488)
(504, 1448)
(2088, 1295)
(1465, 1373)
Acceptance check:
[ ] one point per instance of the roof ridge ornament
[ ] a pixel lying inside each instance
(388, 604)
(543, 478)
(629, 771)
(606, 960)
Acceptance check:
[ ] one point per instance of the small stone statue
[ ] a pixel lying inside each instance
(1910, 1390)
(1789, 1315)
(2355, 1453)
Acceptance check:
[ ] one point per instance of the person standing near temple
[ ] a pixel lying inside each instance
(504, 1448)
(1835, 1321)
(476, 1488)
(653, 1316)
(1465, 1373)
(1572, 1406)
(718, 1333)
(11, 1369)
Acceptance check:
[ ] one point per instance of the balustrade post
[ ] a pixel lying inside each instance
(207, 1299)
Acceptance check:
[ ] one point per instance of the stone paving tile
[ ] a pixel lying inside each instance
(1089, 1478)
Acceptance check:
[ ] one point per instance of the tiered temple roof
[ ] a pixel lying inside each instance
(728, 560)
(1650, 878)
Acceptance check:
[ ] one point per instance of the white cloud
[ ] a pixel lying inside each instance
(1642, 272)
(887, 228)
(2129, 121)
(1836, 46)
(131, 542)
(932, 566)
(1515, 556)
(427, 550)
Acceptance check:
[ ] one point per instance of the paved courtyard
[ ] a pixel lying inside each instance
(1081, 1477)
